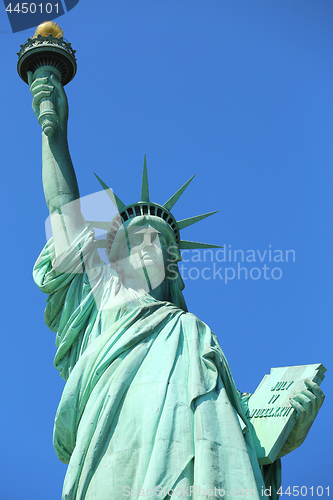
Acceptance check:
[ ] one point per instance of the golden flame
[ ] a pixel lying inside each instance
(49, 27)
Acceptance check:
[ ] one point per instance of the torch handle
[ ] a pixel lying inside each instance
(48, 118)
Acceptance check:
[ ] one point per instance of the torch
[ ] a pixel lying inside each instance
(47, 53)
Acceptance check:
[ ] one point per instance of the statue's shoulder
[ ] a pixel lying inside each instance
(191, 320)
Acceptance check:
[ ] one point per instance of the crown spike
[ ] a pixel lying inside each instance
(190, 245)
(144, 187)
(171, 202)
(192, 220)
(114, 198)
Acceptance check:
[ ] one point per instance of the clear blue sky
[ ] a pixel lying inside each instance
(239, 92)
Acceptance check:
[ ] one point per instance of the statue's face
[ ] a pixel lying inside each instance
(148, 244)
(147, 250)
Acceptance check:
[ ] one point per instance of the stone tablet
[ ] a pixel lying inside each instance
(269, 411)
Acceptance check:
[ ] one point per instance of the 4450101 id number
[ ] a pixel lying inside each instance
(304, 491)
(32, 8)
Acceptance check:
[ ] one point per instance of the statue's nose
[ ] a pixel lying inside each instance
(147, 241)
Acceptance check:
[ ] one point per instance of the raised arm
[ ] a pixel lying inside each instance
(59, 179)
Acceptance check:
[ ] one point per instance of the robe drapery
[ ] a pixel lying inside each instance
(149, 404)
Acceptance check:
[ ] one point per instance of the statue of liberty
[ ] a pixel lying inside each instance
(150, 408)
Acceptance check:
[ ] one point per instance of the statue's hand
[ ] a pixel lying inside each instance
(42, 88)
(307, 404)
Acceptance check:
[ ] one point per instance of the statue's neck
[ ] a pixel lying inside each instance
(159, 291)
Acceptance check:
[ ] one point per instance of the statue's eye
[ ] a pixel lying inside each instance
(136, 240)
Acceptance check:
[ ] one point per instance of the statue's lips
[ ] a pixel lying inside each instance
(150, 255)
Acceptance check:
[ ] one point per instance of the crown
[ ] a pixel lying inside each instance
(146, 207)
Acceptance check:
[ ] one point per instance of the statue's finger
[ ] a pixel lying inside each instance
(296, 405)
(38, 81)
(300, 411)
(41, 95)
(301, 398)
(315, 389)
(41, 88)
(308, 394)
(310, 406)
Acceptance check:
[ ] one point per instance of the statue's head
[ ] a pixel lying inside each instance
(145, 254)
(143, 242)
(147, 238)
